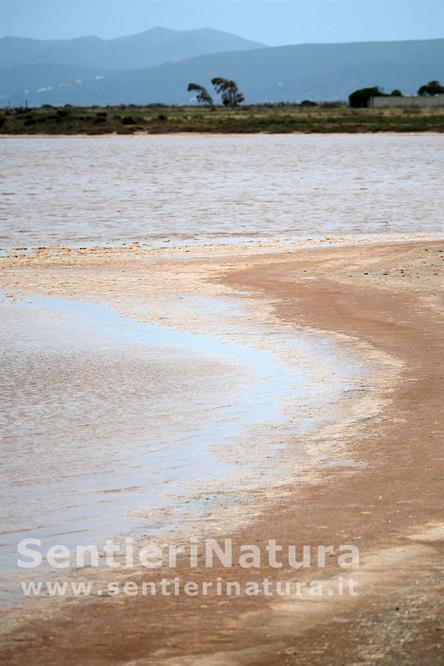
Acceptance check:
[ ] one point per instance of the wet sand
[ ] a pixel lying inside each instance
(383, 491)
(115, 426)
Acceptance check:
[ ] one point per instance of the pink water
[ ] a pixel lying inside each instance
(98, 190)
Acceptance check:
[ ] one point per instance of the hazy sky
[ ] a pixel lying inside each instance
(270, 21)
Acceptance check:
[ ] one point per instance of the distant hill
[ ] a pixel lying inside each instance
(274, 74)
(32, 82)
(147, 49)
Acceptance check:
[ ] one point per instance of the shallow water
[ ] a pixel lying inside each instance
(111, 426)
(103, 415)
(98, 190)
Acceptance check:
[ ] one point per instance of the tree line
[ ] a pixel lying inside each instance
(232, 97)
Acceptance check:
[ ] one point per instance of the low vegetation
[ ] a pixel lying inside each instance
(306, 117)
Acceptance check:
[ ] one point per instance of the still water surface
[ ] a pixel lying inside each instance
(98, 190)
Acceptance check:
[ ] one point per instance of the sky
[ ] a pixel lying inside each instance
(272, 22)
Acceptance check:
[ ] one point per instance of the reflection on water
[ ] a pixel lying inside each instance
(94, 190)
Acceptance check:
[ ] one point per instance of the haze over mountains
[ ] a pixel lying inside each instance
(146, 49)
(156, 66)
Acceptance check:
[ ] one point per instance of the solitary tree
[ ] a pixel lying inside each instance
(431, 88)
(202, 95)
(360, 98)
(228, 91)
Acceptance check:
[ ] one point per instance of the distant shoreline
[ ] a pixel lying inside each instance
(127, 120)
(115, 135)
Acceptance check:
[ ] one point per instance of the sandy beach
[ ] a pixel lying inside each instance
(371, 474)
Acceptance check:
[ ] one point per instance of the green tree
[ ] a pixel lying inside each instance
(202, 94)
(359, 99)
(431, 88)
(228, 91)
(396, 93)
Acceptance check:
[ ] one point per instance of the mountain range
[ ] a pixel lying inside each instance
(155, 66)
(146, 49)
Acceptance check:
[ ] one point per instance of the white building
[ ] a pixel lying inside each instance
(422, 102)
